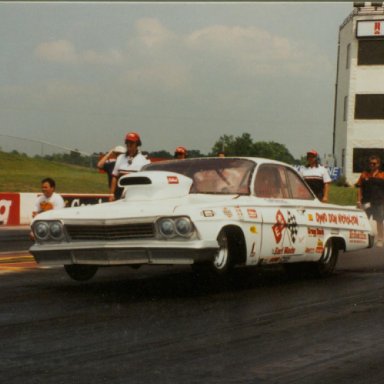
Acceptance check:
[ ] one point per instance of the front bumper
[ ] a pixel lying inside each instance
(121, 253)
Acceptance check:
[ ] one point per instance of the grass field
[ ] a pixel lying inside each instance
(23, 174)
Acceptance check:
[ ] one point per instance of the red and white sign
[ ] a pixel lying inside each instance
(9, 209)
(369, 28)
(173, 180)
(16, 208)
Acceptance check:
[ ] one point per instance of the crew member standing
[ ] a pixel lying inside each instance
(180, 153)
(108, 161)
(316, 176)
(132, 161)
(49, 198)
(370, 195)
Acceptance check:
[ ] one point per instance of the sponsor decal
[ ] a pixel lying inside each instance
(315, 232)
(253, 250)
(227, 212)
(310, 217)
(332, 218)
(10, 209)
(239, 212)
(208, 213)
(77, 201)
(292, 226)
(281, 224)
(309, 250)
(377, 28)
(284, 251)
(252, 214)
(274, 259)
(358, 237)
(253, 229)
(319, 246)
(173, 180)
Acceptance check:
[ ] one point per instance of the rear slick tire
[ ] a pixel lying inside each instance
(327, 263)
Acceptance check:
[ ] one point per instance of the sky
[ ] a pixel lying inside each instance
(82, 75)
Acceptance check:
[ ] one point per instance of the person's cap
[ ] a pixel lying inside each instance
(119, 149)
(312, 152)
(181, 150)
(133, 137)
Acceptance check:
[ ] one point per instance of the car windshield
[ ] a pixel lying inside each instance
(212, 175)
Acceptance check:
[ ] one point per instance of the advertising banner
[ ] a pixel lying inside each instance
(17, 208)
(9, 209)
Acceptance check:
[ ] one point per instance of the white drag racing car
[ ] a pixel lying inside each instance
(212, 213)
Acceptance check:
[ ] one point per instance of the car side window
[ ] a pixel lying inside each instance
(268, 182)
(298, 189)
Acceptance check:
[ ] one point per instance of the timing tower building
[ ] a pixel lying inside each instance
(359, 99)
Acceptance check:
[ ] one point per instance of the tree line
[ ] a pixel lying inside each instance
(231, 146)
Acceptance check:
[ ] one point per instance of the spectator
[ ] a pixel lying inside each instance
(221, 154)
(180, 153)
(49, 199)
(108, 161)
(316, 176)
(370, 195)
(132, 161)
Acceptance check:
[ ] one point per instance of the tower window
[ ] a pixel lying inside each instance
(370, 52)
(369, 106)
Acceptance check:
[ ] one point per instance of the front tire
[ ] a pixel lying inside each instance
(231, 249)
(80, 272)
(223, 261)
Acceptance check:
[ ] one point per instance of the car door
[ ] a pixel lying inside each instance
(283, 214)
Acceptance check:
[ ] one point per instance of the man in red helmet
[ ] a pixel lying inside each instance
(316, 176)
(131, 161)
(180, 153)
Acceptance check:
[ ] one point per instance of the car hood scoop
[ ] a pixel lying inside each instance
(149, 185)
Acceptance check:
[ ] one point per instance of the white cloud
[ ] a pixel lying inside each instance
(63, 51)
(243, 52)
(57, 51)
(151, 33)
(109, 58)
(169, 76)
(255, 51)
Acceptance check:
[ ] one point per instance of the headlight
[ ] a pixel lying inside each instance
(56, 230)
(48, 230)
(167, 227)
(172, 227)
(184, 226)
(41, 230)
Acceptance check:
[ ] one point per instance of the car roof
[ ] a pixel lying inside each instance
(257, 160)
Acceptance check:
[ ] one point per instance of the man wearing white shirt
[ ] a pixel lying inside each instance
(316, 176)
(131, 161)
(49, 199)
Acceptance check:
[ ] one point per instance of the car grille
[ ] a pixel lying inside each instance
(111, 232)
